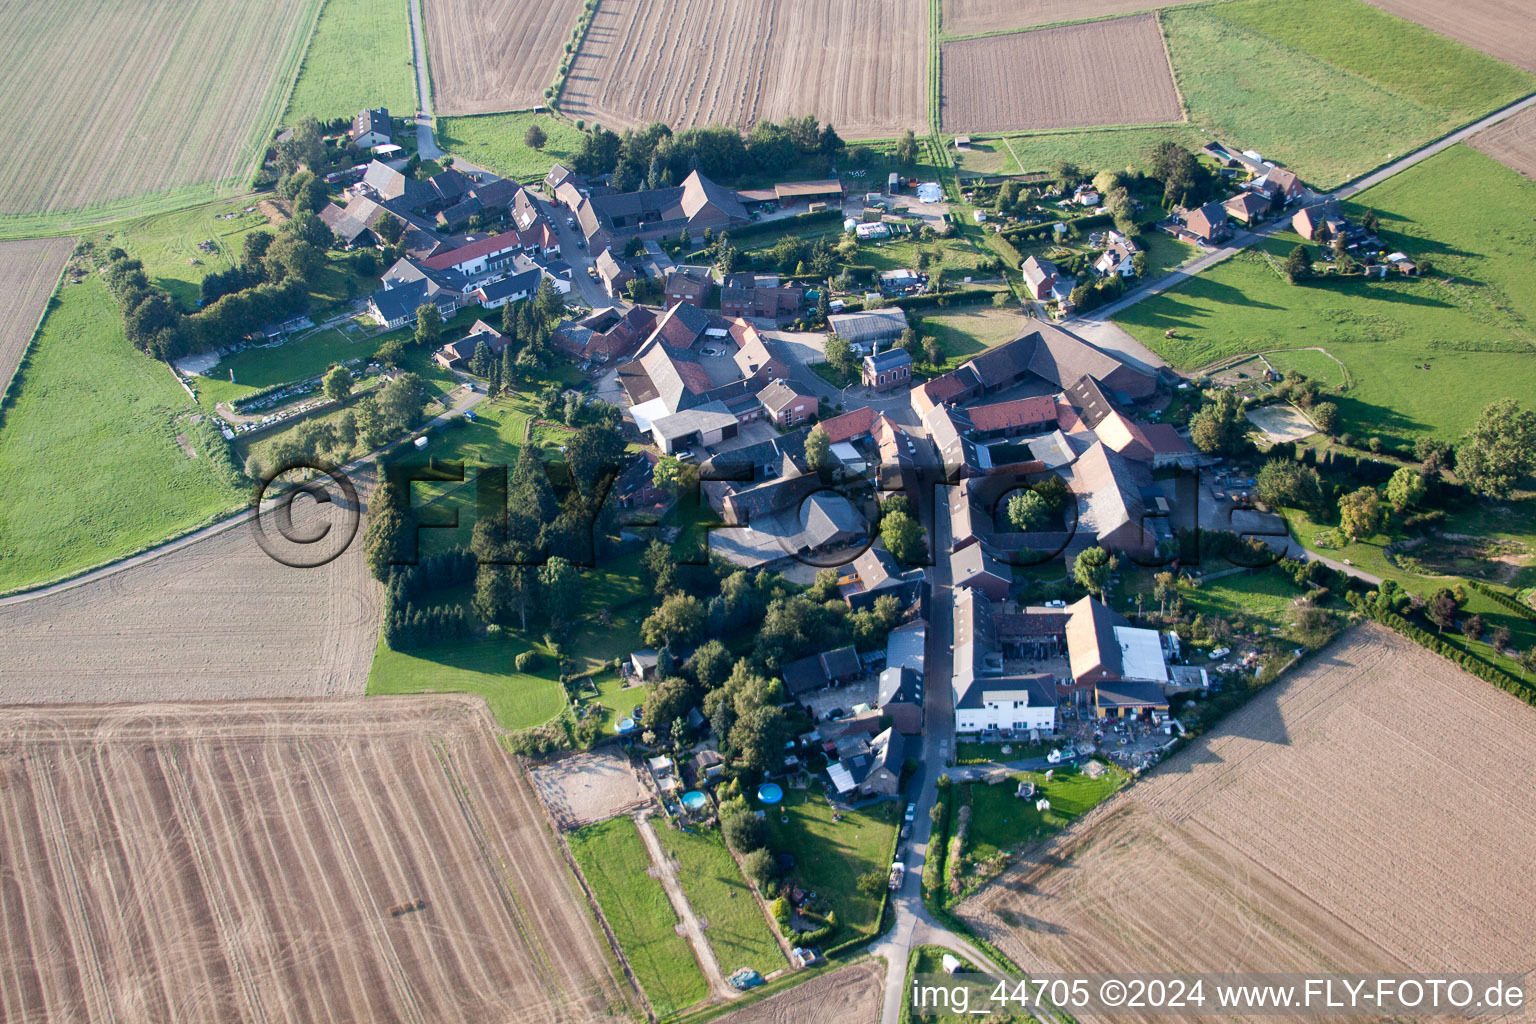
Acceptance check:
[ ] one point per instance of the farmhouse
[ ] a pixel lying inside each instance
(479, 258)
(371, 128)
(836, 666)
(1113, 501)
(1277, 181)
(1043, 280)
(785, 406)
(604, 334)
(985, 698)
(886, 370)
(871, 768)
(1248, 208)
(1118, 256)
(875, 573)
(1052, 354)
(900, 695)
(1013, 418)
(688, 284)
(695, 205)
(706, 424)
(791, 192)
(408, 285)
(1311, 221)
(1208, 223)
(758, 295)
(974, 567)
(614, 273)
(514, 288)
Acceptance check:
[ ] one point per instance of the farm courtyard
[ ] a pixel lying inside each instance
(1310, 831)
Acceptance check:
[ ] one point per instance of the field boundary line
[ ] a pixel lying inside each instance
(1173, 73)
(1079, 21)
(6, 397)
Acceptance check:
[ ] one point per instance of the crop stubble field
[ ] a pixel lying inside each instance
(1060, 78)
(1504, 28)
(1361, 815)
(215, 619)
(29, 270)
(851, 995)
(109, 101)
(1512, 142)
(969, 17)
(493, 55)
(238, 862)
(859, 64)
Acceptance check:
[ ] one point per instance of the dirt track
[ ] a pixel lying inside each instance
(489, 55)
(1366, 814)
(238, 862)
(215, 620)
(848, 996)
(968, 17)
(1099, 73)
(1504, 28)
(28, 272)
(1511, 142)
(860, 64)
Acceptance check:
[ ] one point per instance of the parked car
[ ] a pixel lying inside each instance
(911, 813)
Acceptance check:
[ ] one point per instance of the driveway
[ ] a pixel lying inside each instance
(571, 242)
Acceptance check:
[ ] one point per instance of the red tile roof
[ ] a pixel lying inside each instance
(849, 424)
(1018, 413)
(474, 250)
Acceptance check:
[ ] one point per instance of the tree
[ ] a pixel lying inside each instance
(338, 384)
(1369, 222)
(1026, 510)
(872, 883)
(759, 866)
(1527, 662)
(759, 737)
(903, 537)
(744, 831)
(818, 451)
(671, 699)
(1472, 627)
(1091, 569)
(593, 456)
(547, 302)
(840, 355)
(1499, 638)
(429, 325)
(1218, 426)
(1405, 488)
(711, 664)
(1298, 265)
(1360, 513)
(905, 153)
(676, 622)
(560, 587)
(673, 475)
(1442, 609)
(1325, 416)
(1499, 451)
(386, 528)
(1165, 587)
(535, 137)
(1285, 483)
(660, 566)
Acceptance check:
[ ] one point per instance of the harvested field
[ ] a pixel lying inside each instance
(851, 995)
(28, 273)
(108, 101)
(1512, 142)
(213, 619)
(1503, 28)
(1056, 78)
(341, 860)
(589, 787)
(1309, 833)
(969, 17)
(860, 64)
(493, 55)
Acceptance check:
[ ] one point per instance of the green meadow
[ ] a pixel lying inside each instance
(359, 57)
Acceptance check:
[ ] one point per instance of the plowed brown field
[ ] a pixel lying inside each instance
(489, 55)
(849, 996)
(213, 619)
(1076, 76)
(968, 17)
(28, 272)
(1504, 28)
(860, 64)
(239, 862)
(1365, 814)
(1511, 142)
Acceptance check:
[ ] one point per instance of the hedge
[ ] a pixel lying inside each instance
(941, 300)
(1503, 599)
(784, 225)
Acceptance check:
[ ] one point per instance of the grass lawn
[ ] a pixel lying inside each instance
(168, 244)
(90, 470)
(978, 752)
(1251, 71)
(963, 332)
(738, 931)
(831, 855)
(359, 57)
(613, 859)
(1164, 252)
(1471, 216)
(479, 665)
(495, 142)
(614, 698)
(1000, 821)
(298, 359)
(1093, 151)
